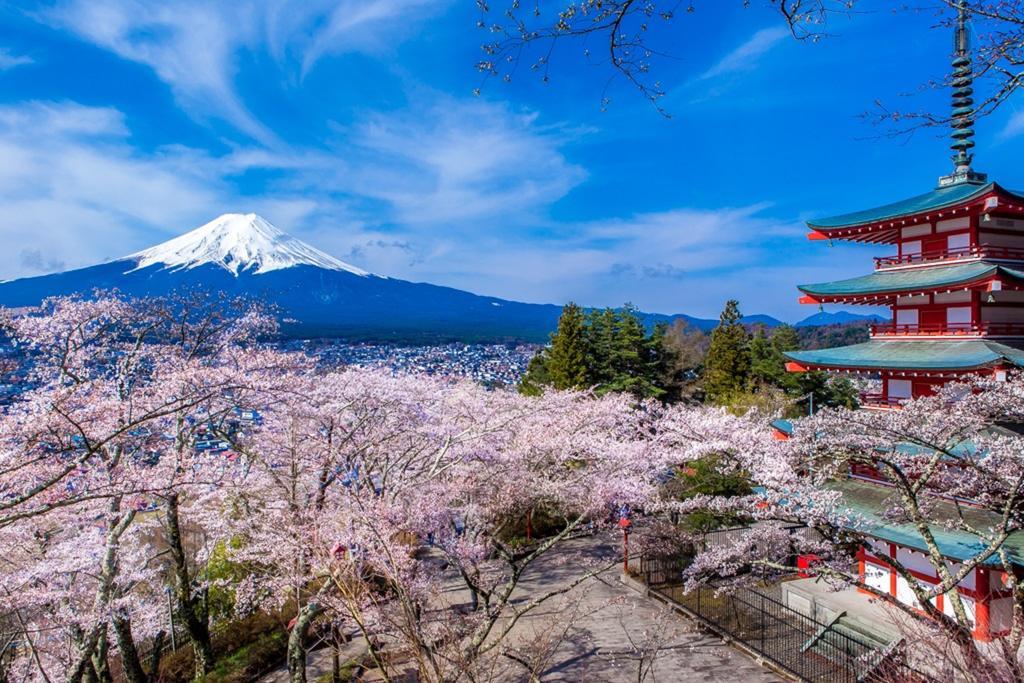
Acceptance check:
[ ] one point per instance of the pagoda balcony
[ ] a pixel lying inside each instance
(871, 401)
(985, 329)
(950, 255)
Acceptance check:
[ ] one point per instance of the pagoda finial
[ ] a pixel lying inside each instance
(962, 118)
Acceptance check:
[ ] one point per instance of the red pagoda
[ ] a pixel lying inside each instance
(955, 285)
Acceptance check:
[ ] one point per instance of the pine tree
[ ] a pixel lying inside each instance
(631, 362)
(600, 346)
(630, 343)
(567, 358)
(609, 350)
(766, 363)
(727, 367)
(786, 338)
(536, 376)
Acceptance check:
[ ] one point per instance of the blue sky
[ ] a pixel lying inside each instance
(353, 125)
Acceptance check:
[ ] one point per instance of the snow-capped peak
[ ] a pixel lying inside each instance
(238, 243)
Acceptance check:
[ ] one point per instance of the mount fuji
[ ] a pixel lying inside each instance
(315, 294)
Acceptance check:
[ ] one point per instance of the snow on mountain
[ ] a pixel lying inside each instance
(238, 243)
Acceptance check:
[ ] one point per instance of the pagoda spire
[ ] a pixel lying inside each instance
(962, 118)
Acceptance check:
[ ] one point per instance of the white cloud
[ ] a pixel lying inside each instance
(9, 60)
(365, 25)
(75, 193)
(454, 161)
(746, 55)
(194, 46)
(191, 46)
(1013, 127)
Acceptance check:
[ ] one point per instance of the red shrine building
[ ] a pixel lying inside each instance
(954, 282)
(954, 286)
(953, 279)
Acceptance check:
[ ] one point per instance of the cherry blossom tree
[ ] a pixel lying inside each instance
(105, 431)
(372, 497)
(384, 506)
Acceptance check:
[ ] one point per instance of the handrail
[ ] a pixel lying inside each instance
(874, 400)
(948, 329)
(973, 251)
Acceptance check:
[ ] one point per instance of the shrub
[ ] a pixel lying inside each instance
(244, 649)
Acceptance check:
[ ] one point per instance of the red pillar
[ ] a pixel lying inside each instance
(892, 572)
(982, 617)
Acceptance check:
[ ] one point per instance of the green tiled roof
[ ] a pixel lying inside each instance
(938, 198)
(784, 426)
(910, 279)
(869, 501)
(912, 355)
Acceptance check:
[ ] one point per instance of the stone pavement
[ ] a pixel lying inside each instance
(603, 632)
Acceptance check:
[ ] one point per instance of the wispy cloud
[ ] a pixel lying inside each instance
(746, 55)
(9, 60)
(195, 47)
(74, 192)
(455, 160)
(1013, 127)
(191, 46)
(365, 25)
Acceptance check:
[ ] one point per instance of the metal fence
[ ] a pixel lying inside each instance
(807, 648)
(802, 645)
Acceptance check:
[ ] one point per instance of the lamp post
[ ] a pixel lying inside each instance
(625, 524)
(170, 617)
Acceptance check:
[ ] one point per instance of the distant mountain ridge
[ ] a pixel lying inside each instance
(839, 318)
(316, 294)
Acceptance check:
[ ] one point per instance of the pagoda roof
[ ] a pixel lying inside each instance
(939, 198)
(912, 355)
(869, 501)
(917, 208)
(911, 279)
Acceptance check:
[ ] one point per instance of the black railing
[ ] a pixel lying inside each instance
(804, 646)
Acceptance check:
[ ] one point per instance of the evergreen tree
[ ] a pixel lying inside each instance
(567, 358)
(628, 354)
(601, 346)
(765, 360)
(633, 365)
(606, 349)
(727, 366)
(786, 338)
(828, 391)
(536, 376)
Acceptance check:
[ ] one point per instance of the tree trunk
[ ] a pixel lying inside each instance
(154, 657)
(133, 670)
(190, 608)
(108, 570)
(297, 643)
(100, 663)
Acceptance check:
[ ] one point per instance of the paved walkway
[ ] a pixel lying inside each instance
(613, 632)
